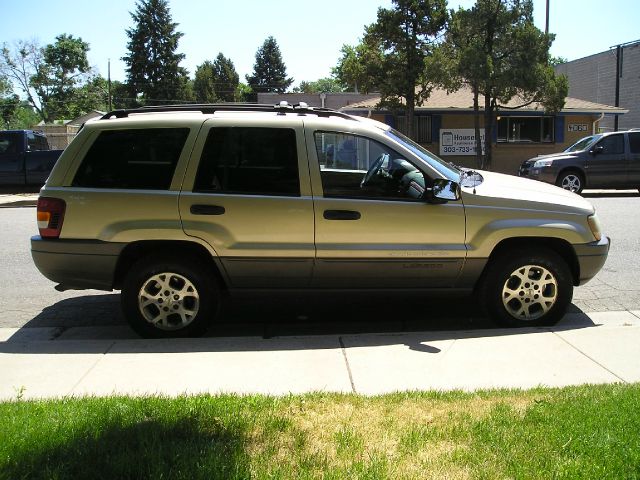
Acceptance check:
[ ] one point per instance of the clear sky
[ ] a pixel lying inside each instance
(310, 34)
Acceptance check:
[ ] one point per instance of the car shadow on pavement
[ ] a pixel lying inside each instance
(275, 322)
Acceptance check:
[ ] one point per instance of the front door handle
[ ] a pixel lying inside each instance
(207, 210)
(341, 215)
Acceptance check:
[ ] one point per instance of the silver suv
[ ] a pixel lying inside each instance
(176, 205)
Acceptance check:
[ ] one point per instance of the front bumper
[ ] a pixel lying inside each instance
(545, 174)
(591, 258)
(77, 264)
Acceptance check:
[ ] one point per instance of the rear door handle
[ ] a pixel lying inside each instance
(341, 215)
(207, 210)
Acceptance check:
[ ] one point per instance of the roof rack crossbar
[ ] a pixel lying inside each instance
(209, 108)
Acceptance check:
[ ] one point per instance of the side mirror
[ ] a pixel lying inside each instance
(597, 149)
(442, 191)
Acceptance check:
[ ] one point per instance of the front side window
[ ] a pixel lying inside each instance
(35, 142)
(249, 160)
(132, 159)
(612, 144)
(583, 144)
(357, 167)
(525, 129)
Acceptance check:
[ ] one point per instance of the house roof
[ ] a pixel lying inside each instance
(462, 100)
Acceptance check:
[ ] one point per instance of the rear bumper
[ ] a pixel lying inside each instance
(591, 258)
(77, 264)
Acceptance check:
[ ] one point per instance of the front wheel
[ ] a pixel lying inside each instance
(163, 296)
(572, 181)
(525, 288)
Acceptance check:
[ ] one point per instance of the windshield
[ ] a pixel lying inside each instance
(583, 143)
(444, 168)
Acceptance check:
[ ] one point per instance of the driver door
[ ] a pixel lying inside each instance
(372, 227)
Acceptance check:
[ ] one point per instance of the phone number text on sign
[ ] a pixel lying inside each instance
(459, 141)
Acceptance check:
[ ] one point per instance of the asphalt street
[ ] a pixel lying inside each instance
(29, 300)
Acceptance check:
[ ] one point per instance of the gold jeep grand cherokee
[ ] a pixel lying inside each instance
(174, 205)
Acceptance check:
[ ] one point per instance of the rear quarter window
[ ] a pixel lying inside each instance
(634, 142)
(132, 159)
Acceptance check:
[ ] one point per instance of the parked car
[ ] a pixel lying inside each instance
(25, 158)
(605, 160)
(177, 205)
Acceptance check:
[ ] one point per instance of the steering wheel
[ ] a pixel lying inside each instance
(373, 170)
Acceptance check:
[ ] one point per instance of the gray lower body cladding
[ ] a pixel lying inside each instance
(77, 264)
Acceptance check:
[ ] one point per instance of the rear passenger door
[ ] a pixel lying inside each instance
(247, 194)
(607, 168)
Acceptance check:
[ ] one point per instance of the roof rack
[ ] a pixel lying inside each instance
(207, 108)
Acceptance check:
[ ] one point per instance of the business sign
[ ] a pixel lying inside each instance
(578, 127)
(459, 141)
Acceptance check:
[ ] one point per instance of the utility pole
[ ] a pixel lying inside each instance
(109, 83)
(546, 26)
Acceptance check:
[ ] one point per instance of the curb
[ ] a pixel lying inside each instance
(19, 203)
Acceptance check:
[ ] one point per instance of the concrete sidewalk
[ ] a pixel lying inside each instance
(593, 348)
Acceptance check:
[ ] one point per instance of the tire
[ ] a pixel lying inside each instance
(527, 288)
(571, 180)
(164, 297)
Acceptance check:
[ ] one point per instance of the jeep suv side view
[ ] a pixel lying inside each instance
(176, 205)
(605, 160)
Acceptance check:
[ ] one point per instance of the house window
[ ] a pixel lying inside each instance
(525, 129)
(421, 127)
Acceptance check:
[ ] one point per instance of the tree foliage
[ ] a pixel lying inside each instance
(52, 78)
(154, 74)
(269, 70)
(393, 54)
(216, 81)
(322, 85)
(496, 50)
(9, 102)
(358, 65)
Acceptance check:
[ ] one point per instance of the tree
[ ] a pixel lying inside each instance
(406, 35)
(227, 79)
(153, 66)
(269, 71)
(326, 85)
(49, 77)
(204, 83)
(9, 102)
(216, 81)
(357, 67)
(495, 48)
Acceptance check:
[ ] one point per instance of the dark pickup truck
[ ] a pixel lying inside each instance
(25, 158)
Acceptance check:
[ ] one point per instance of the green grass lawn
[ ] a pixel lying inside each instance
(581, 432)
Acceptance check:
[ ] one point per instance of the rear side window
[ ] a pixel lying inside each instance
(139, 159)
(9, 143)
(249, 160)
(634, 142)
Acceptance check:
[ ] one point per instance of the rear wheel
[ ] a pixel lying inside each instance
(571, 180)
(163, 296)
(525, 288)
